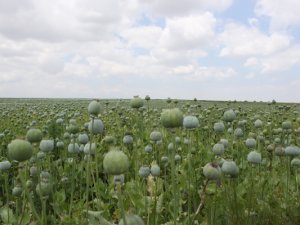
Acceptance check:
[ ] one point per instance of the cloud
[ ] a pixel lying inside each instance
(175, 8)
(283, 14)
(241, 41)
(123, 48)
(187, 33)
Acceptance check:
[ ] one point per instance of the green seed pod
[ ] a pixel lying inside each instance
(40, 155)
(148, 148)
(251, 143)
(258, 123)
(238, 133)
(229, 115)
(127, 139)
(20, 150)
(60, 144)
(171, 146)
(292, 151)
(73, 148)
(17, 191)
(219, 127)
(279, 151)
(115, 162)
(230, 168)
(119, 179)
(90, 149)
(109, 139)
(34, 135)
(43, 189)
(98, 126)
(94, 108)
(5, 165)
(224, 142)
(33, 171)
(73, 128)
(212, 171)
(132, 219)
(59, 121)
(172, 118)
(155, 170)
(295, 163)
(136, 102)
(46, 145)
(254, 157)
(144, 171)
(83, 138)
(164, 159)
(155, 136)
(190, 122)
(218, 149)
(177, 158)
(286, 125)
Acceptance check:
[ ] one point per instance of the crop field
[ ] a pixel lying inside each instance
(144, 161)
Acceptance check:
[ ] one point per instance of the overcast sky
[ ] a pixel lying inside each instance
(208, 49)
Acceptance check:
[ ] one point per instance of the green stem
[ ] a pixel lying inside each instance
(44, 215)
(7, 194)
(121, 205)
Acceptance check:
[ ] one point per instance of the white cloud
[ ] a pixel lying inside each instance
(242, 41)
(143, 36)
(127, 47)
(283, 14)
(187, 33)
(174, 8)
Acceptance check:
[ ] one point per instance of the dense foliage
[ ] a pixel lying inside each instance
(149, 162)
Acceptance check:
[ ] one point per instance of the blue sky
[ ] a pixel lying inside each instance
(208, 49)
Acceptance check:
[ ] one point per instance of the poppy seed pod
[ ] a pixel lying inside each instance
(190, 122)
(34, 135)
(230, 168)
(94, 108)
(212, 171)
(224, 142)
(155, 136)
(172, 118)
(119, 179)
(136, 102)
(295, 163)
(83, 138)
(46, 145)
(250, 143)
(254, 157)
(292, 151)
(238, 133)
(219, 127)
(73, 148)
(90, 149)
(97, 127)
(20, 150)
(127, 139)
(144, 171)
(60, 144)
(5, 165)
(286, 125)
(115, 162)
(229, 115)
(218, 149)
(148, 148)
(155, 170)
(258, 123)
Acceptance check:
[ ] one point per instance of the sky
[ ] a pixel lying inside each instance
(185, 49)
